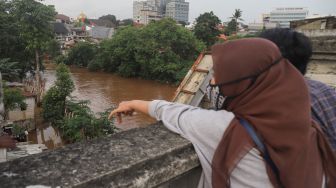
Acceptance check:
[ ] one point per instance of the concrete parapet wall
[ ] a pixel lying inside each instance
(324, 44)
(318, 32)
(322, 40)
(147, 157)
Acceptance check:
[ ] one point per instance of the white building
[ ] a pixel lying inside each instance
(178, 10)
(146, 11)
(146, 16)
(255, 27)
(139, 6)
(283, 16)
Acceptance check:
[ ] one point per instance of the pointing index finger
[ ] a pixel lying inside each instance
(111, 114)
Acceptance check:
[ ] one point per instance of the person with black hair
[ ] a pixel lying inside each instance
(297, 48)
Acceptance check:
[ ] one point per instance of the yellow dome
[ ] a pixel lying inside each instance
(81, 16)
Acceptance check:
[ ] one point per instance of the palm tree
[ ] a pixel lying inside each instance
(237, 17)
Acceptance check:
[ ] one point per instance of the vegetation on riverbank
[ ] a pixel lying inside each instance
(26, 34)
(73, 118)
(160, 51)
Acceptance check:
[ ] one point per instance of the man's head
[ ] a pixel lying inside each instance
(294, 46)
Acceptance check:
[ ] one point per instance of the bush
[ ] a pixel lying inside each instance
(82, 124)
(11, 71)
(13, 99)
(81, 54)
(53, 48)
(94, 66)
(53, 103)
(60, 59)
(74, 118)
(53, 106)
(160, 51)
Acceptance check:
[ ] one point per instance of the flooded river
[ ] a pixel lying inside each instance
(104, 90)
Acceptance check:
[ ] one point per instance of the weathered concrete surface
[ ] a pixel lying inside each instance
(322, 66)
(325, 44)
(318, 32)
(147, 157)
(189, 179)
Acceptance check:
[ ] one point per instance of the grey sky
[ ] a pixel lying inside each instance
(252, 9)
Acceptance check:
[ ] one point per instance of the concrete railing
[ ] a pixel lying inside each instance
(319, 33)
(147, 157)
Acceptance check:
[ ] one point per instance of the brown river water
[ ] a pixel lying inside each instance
(103, 90)
(106, 90)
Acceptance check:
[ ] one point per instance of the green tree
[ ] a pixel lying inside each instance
(53, 48)
(231, 27)
(12, 45)
(121, 49)
(167, 50)
(161, 51)
(34, 24)
(126, 22)
(11, 71)
(236, 17)
(64, 82)
(54, 101)
(82, 123)
(53, 107)
(81, 54)
(60, 59)
(109, 17)
(94, 65)
(206, 28)
(13, 99)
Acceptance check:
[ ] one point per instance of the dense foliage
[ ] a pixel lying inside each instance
(109, 17)
(10, 71)
(13, 47)
(81, 54)
(74, 118)
(81, 123)
(13, 99)
(53, 48)
(34, 26)
(53, 103)
(161, 51)
(206, 28)
(26, 32)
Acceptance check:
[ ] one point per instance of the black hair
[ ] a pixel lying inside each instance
(294, 46)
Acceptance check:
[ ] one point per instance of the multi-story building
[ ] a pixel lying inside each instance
(283, 16)
(256, 27)
(146, 11)
(138, 6)
(146, 16)
(178, 10)
(265, 18)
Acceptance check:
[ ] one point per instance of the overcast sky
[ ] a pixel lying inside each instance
(252, 9)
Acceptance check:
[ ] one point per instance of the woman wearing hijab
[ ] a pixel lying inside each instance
(260, 132)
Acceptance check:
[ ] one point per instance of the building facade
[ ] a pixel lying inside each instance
(283, 16)
(256, 27)
(146, 11)
(178, 10)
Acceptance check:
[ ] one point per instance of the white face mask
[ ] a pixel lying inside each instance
(216, 98)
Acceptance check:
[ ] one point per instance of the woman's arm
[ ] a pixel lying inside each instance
(128, 107)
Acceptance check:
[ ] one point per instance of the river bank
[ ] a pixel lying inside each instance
(104, 91)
